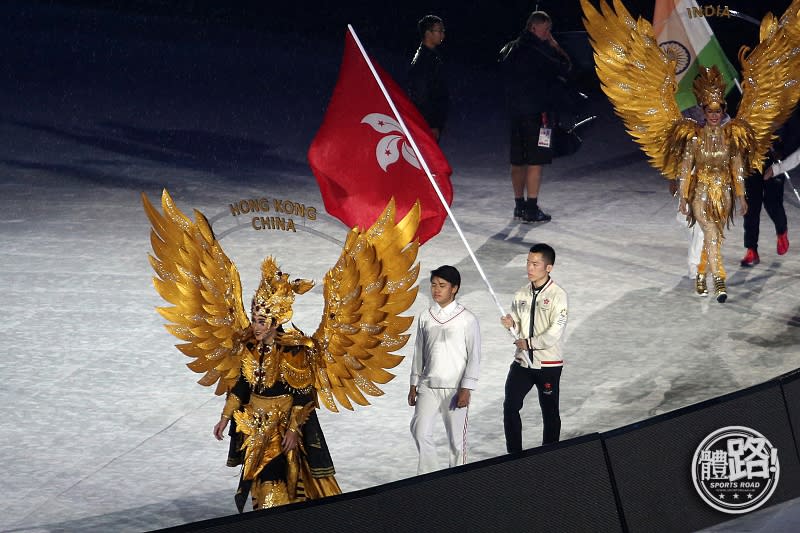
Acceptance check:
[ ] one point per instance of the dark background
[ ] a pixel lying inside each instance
(477, 29)
(300, 44)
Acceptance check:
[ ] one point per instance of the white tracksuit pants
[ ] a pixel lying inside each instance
(695, 238)
(432, 404)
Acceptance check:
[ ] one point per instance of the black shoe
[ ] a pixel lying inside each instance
(519, 212)
(537, 216)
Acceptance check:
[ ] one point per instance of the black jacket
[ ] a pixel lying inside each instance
(533, 74)
(427, 86)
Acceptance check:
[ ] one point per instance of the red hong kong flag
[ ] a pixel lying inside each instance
(362, 157)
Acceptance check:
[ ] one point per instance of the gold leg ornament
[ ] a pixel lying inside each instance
(700, 285)
(268, 494)
(700, 280)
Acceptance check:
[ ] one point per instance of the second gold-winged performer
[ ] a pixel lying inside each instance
(710, 160)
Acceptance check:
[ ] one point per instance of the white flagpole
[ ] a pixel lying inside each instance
(789, 179)
(425, 167)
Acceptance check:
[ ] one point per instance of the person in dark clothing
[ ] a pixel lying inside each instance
(764, 189)
(427, 86)
(767, 189)
(534, 68)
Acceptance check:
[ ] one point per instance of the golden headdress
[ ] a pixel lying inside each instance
(275, 294)
(709, 88)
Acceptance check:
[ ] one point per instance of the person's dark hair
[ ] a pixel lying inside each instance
(537, 17)
(448, 273)
(426, 23)
(548, 254)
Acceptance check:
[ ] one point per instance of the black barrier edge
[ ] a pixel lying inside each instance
(602, 437)
(613, 480)
(790, 377)
(484, 463)
(689, 409)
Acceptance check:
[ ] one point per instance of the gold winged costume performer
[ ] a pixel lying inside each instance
(274, 377)
(710, 160)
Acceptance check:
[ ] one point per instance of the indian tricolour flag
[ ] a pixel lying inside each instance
(683, 33)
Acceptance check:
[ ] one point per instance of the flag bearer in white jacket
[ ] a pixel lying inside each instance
(444, 371)
(538, 319)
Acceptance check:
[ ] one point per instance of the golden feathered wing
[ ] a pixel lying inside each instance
(770, 85)
(639, 79)
(202, 284)
(365, 292)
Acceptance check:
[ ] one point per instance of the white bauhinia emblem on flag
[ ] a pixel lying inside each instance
(390, 147)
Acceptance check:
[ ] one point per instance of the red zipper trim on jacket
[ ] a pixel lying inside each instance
(449, 319)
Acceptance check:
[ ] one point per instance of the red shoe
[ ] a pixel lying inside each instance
(750, 258)
(783, 243)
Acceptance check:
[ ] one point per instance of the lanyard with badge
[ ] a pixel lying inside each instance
(545, 133)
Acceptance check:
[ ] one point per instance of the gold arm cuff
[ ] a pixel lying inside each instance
(299, 415)
(232, 403)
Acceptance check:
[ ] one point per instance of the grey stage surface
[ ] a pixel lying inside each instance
(105, 428)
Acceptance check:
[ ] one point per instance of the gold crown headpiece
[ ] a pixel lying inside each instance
(275, 294)
(709, 88)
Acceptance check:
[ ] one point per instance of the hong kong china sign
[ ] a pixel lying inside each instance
(272, 213)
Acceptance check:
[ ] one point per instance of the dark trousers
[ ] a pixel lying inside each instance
(770, 194)
(518, 384)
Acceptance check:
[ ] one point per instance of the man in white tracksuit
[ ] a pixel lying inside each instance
(444, 370)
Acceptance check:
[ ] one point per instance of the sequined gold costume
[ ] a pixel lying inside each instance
(275, 394)
(275, 376)
(711, 161)
(711, 175)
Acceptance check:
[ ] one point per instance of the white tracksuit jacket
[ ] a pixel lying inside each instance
(550, 322)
